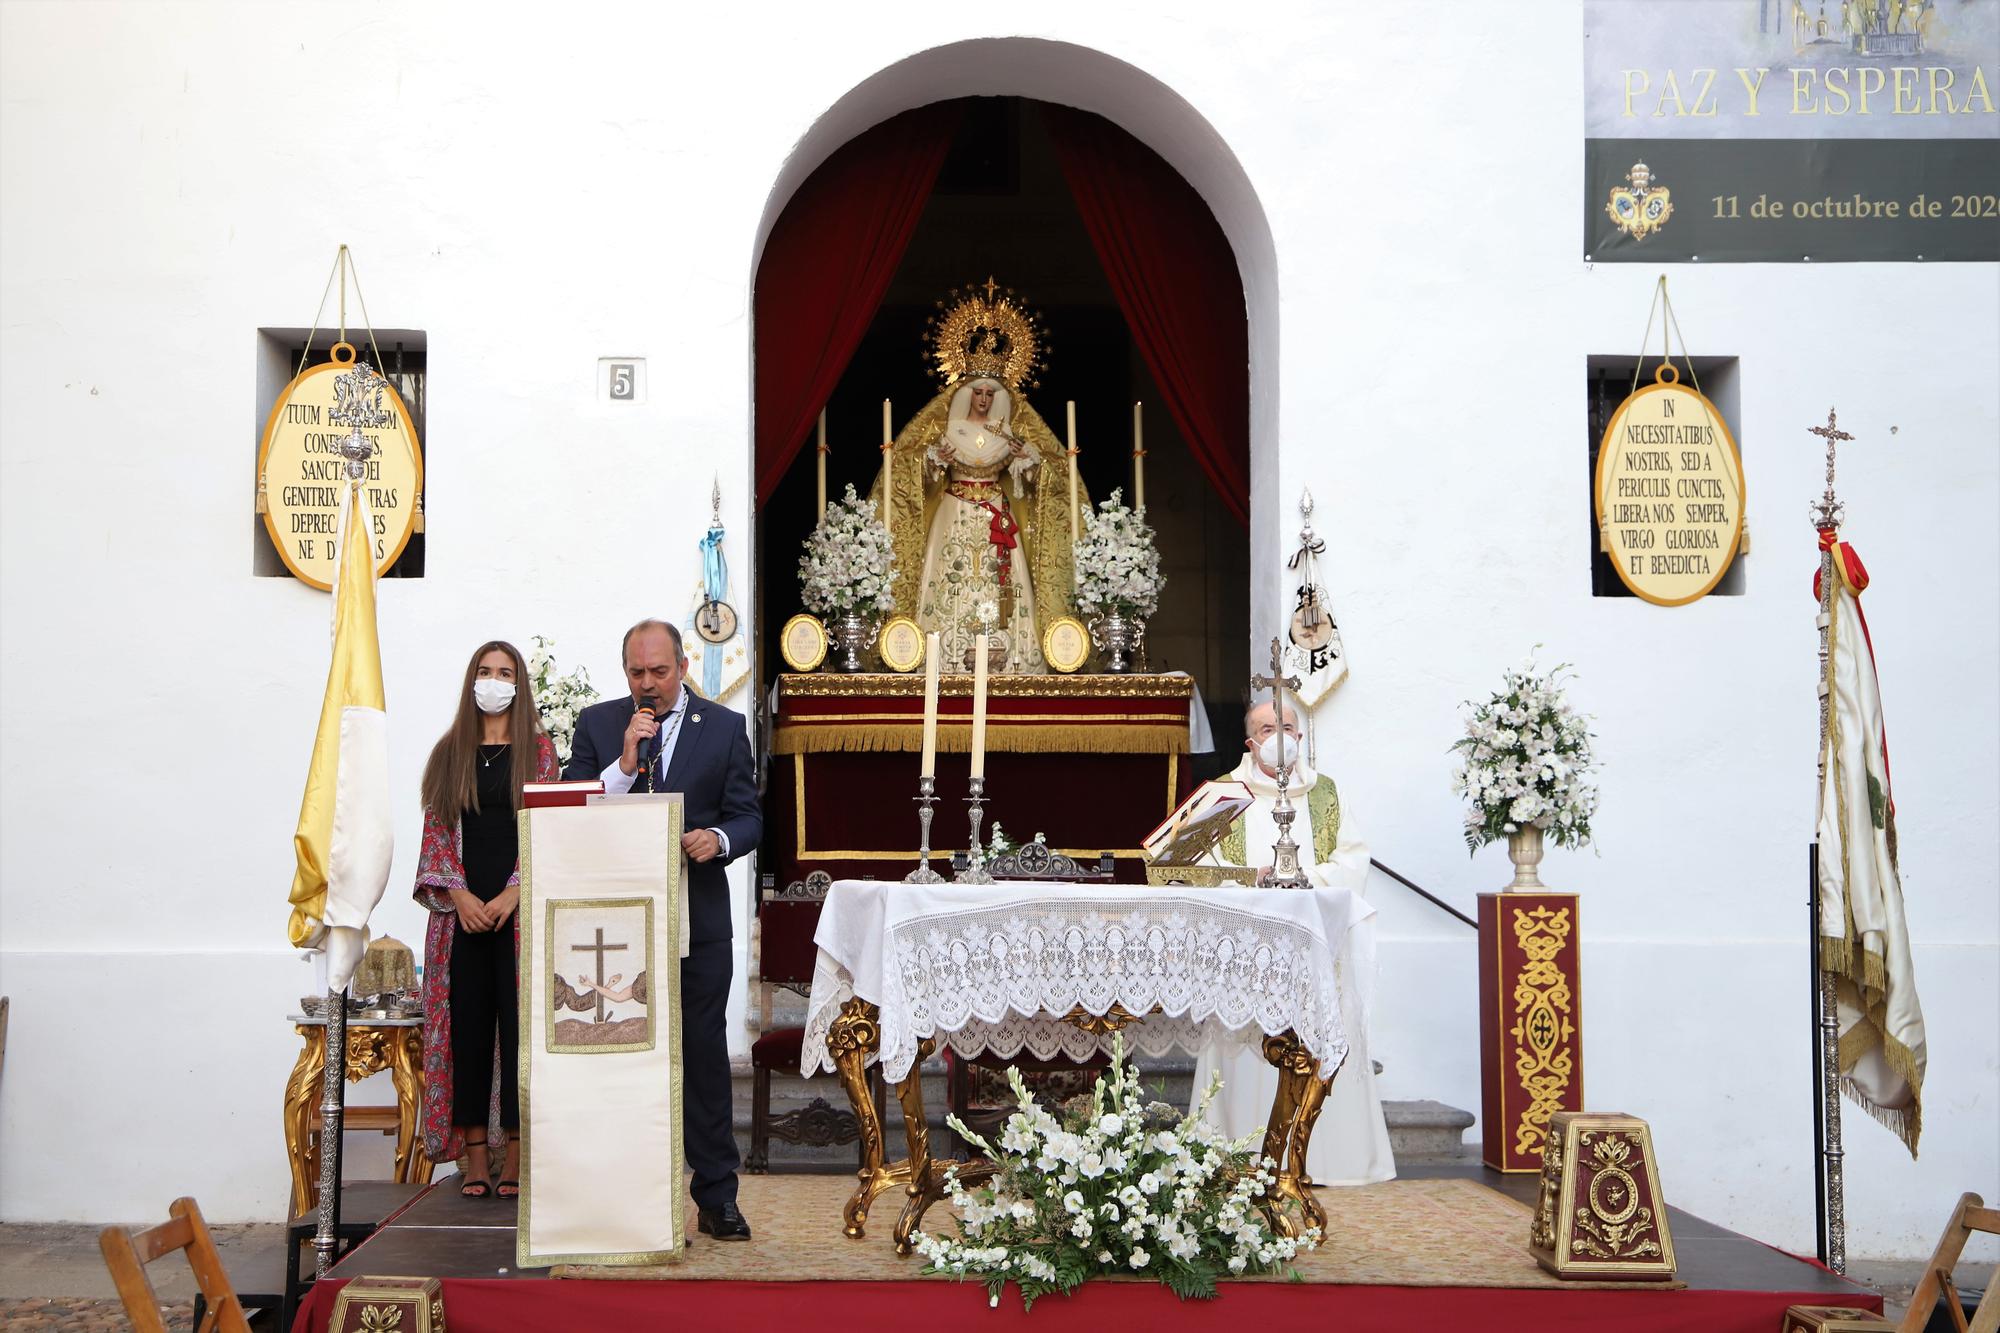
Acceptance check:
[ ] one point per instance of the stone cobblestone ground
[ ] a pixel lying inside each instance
(81, 1314)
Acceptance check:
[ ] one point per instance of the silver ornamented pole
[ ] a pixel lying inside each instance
(332, 1093)
(1826, 516)
(357, 403)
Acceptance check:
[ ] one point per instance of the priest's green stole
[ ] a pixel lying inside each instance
(1322, 806)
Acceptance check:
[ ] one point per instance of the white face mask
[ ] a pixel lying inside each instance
(493, 696)
(1273, 755)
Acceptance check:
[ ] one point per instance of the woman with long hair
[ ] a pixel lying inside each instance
(468, 876)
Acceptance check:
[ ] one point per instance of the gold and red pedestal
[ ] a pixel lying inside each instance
(1530, 1023)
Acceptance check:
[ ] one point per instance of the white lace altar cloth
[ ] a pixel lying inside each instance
(992, 968)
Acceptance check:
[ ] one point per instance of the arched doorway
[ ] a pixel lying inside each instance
(1001, 193)
(1022, 70)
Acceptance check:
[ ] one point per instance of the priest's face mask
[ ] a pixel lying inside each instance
(1262, 725)
(654, 665)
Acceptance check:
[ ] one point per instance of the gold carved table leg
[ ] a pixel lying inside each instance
(406, 1066)
(926, 1176)
(854, 1036)
(301, 1091)
(1288, 1134)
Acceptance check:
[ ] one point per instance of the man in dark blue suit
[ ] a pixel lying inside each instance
(663, 738)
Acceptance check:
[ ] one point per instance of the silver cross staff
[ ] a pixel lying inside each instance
(1285, 871)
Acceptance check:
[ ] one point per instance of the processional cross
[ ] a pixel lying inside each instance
(600, 949)
(1827, 513)
(1285, 871)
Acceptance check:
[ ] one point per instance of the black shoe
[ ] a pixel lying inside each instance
(724, 1223)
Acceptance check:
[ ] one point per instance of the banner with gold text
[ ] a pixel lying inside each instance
(1791, 130)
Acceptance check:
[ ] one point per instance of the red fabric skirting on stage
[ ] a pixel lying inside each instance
(490, 1306)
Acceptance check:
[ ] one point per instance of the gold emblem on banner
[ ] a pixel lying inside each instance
(802, 642)
(1639, 208)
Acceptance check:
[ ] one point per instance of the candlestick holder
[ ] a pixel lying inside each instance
(975, 860)
(925, 798)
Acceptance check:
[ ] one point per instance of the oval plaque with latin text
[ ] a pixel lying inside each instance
(300, 472)
(1669, 492)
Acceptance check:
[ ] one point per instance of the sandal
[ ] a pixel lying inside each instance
(474, 1189)
(510, 1189)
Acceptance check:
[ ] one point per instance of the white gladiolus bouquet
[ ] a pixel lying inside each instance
(1117, 565)
(1525, 760)
(849, 565)
(559, 697)
(1113, 1186)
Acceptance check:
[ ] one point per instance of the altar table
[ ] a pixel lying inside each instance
(1059, 968)
(1092, 762)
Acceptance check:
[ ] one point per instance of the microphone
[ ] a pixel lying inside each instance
(649, 747)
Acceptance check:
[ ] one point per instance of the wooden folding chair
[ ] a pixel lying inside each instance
(127, 1255)
(1971, 1215)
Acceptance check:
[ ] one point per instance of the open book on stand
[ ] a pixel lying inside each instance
(1197, 824)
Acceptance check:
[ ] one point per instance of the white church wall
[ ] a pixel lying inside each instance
(543, 189)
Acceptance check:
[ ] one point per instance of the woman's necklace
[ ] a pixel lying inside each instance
(486, 760)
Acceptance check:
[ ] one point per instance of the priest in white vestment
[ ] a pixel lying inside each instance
(1350, 1142)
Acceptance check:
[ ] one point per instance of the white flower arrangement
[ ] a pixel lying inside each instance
(1526, 760)
(849, 565)
(1113, 1186)
(1117, 564)
(559, 697)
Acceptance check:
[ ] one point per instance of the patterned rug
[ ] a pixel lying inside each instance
(1403, 1233)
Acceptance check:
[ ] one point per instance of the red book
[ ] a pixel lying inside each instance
(535, 795)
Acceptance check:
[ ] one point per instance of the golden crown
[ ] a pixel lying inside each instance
(985, 332)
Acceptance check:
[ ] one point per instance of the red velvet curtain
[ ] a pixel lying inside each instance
(1176, 281)
(825, 269)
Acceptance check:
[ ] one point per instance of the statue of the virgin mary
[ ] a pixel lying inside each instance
(979, 494)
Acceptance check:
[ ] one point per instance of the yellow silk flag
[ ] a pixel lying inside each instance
(345, 840)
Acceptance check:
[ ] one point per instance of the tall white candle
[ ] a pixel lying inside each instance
(930, 703)
(1075, 491)
(979, 706)
(1138, 457)
(822, 465)
(888, 471)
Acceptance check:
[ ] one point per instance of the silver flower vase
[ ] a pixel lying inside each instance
(1117, 637)
(851, 636)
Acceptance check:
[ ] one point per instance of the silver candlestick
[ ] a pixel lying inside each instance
(975, 860)
(925, 798)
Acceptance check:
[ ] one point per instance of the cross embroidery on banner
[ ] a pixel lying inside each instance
(600, 949)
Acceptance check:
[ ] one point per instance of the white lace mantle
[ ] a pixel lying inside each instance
(993, 968)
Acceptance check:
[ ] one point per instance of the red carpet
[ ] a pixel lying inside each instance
(491, 1306)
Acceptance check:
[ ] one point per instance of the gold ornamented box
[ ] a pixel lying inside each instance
(1599, 1214)
(1834, 1319)
(389, 1305)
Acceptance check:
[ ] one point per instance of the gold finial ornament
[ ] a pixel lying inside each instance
(984, 331)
